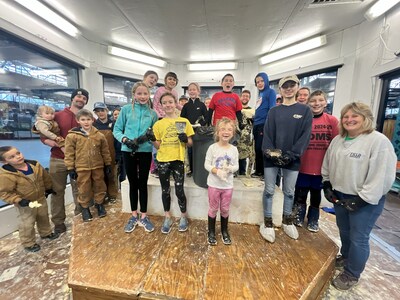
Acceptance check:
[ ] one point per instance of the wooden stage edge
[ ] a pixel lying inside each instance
(107, 263)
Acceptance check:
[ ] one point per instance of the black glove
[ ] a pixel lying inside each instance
(150, 135)
(132, 144)
(72, 174)
(353, 203)
(49, 192)
(329, 193)
(241, 126)
(288, 157)
(24, 203)
(108, 170)
(142, 139)
(183, 137)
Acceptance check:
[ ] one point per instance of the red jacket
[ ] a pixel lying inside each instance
(66, 120)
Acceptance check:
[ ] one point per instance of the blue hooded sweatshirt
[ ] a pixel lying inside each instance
(268, 101)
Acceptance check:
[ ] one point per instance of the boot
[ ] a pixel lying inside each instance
(289, 228)
(267, 230)
(313, 217)
(86, 215)
(299, 212)
(226, 239)
(101, 210)
(211, 231)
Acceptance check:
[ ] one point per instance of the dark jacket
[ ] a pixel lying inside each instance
(193, 110)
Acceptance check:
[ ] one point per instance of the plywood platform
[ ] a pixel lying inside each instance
(106, 263)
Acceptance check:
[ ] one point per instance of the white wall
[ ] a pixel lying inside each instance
(359, 48)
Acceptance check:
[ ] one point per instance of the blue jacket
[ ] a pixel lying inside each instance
(268, 101)
(132, 122)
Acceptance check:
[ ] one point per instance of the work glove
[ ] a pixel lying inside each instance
(270, 153)
(108, 171)
(142, 139)
(183, 137)
(228, 169)
(241, 126)
(353, 203)
(23, 203)
(222, 174)
(49, 192)
(72, 174)
(329, 193)
(288, 157)
(150, 135)
(132, 144)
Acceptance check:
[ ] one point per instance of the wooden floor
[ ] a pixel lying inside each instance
(106, 263)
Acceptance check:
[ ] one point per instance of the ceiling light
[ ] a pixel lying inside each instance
(379, 8)
(294, 49)
(150, 60)
(212, 66)
(50, 16)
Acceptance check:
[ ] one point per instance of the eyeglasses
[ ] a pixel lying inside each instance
(289, 84)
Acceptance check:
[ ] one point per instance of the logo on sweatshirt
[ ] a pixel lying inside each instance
(355, 155)
(296, 116)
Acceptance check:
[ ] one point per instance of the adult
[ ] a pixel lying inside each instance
(287, 133)
(358, 170)
(58, 171)
(266, 100)
(302, 95)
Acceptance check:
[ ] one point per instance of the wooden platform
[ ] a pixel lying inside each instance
(106, 263)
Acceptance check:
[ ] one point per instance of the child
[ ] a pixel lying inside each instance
(324, 128)
(171, 80)
(105, 125)
(47, 127)
(225, 103)
(196, 112)
(222, 160)
(172, 134)
(286, 134)
(121, 174)
(150, 79)
(130, 129)
(24, 183)
(207, 102)
(183, 100)
(87, 158)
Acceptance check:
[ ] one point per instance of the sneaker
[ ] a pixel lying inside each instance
(51, 236)
(313, 227)
(340, 262)
(146, 224)
(190, 174)
(291, 231)
(86, 215)
(183, 224)
(268, 233)
(34, 248)
(101, 211)
(344, 281)
(297, 222)
(166, 227)
(60, 228)
(256, 175)
(155, 173)
(130, 226)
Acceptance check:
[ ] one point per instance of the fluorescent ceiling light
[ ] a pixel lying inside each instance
(50, 16)
(379, 8)
(212, 66)
(294, 49)
(136, 56)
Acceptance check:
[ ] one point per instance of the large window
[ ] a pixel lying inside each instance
(209, 91)
(117, 90)
(324, 80)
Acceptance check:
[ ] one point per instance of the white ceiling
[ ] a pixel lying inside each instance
(206, 30)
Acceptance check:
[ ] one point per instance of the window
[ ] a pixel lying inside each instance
(209, 91)
(30, 77)
(324, 80)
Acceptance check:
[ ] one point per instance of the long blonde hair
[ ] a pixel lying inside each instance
(135, 87)
(223, 121)
(361, 109)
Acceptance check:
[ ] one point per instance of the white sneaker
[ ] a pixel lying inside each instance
(267, 233)
(291, 231)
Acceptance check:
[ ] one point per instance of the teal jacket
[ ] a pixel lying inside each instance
(132, 122)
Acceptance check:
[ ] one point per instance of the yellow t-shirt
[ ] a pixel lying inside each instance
(166, 131)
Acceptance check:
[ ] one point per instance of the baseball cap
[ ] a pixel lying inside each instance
(183, 97)
(80, 92)
(99, 105)
(288, 78)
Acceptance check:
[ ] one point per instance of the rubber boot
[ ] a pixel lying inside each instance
(226, 239)
(101, 210)
(299, 212)
(211, 231)
(313, 217)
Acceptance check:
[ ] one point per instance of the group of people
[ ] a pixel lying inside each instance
(293, 137)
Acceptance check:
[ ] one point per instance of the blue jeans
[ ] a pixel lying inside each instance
(355, 228)
(289, 183)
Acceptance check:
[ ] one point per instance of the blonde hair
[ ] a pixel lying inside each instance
(44, 109)
(360, 109)
(135, 87)
(196, 85)
(220, 123)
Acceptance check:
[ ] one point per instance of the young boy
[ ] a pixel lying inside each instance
(172, 134)
(87, 158)
(26, 184)
(226, 103)
(105, 125)
(183, 100)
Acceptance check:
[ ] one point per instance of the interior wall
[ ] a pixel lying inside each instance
(359, 48)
